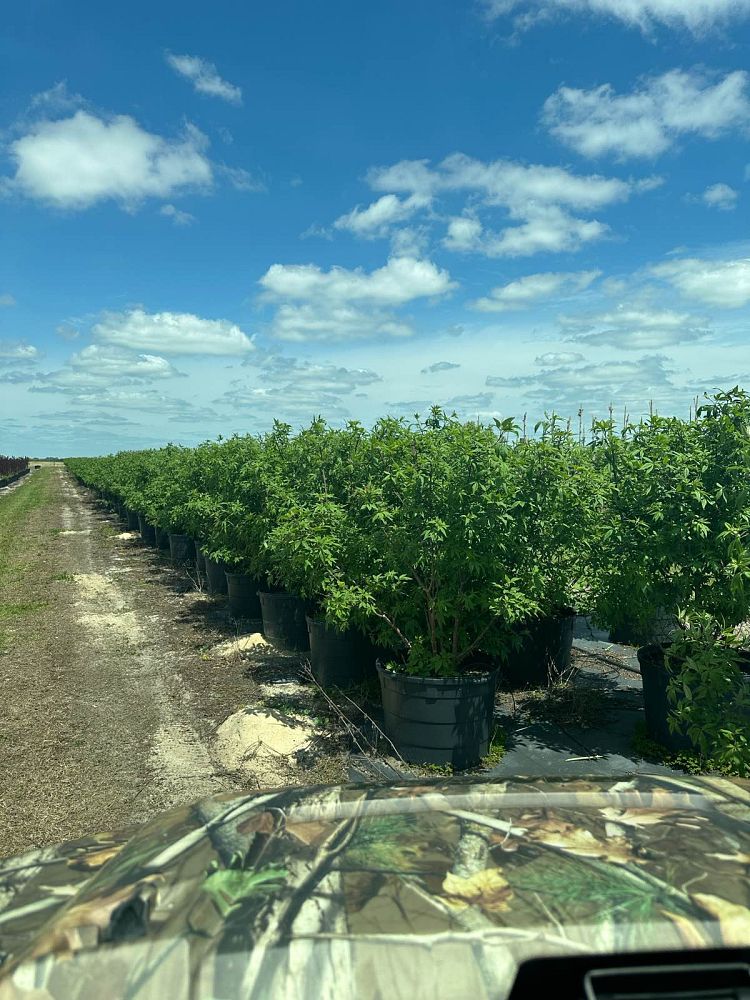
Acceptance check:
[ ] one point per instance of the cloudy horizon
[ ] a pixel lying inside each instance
(505, 207)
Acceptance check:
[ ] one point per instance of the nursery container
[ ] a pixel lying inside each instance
(439, 720)
(148, 532)
(656, 705)
(216, 576)
(544, 652)
(285, 620)
(181, 549)
(340, 658)
(243, 595)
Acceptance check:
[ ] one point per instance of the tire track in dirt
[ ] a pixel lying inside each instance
(100, 731)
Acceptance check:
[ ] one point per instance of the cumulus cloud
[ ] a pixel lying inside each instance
(439, 366)
(14, 352)
(341, 304)
(377, 218)
(204, 77)
(16, 377)
(279, 369)
(722, 283)
(653, 117)
(540, 200)
(533, 288)
(630, 383)
(297, 389)
(107, 362)
(136, 401)
(501, 182)
(178, 217)
(558, 358)
(98, 366)
(75, 162)
(696, 16)
(171, 333)
(631, 328)
(720, 196)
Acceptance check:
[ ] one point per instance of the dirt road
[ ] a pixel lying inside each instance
(109, 701)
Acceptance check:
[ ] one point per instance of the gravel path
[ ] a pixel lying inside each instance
(107, 713)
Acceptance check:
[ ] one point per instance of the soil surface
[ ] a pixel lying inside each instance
(111, 692)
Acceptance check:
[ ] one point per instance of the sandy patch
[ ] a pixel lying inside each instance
(125, 624)
(261, 746)
(83, 531)
(232, 647)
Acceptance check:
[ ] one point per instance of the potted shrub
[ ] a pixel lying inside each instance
(432, 560)
(677, 541)
(558, 493)
(699, 692)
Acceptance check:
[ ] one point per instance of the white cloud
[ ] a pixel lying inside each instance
(204, 77)
(105, 362)
(650, 119)
(501, 182)
(377, 218)
(341, 304)
(401, 280)
(75, 162)
(6, 299)
(539, 198)
(138, 400)
(594, 386)
(278, 369)
(18, 352)
(178, 217)
(464, 234)
(558, 358)
(326, 321)
(632, 328)
(171, 333)
(241, 179)
(532, 288)
(57, 100)
(296, 389)
(723, 283)
(720, 196)
(439, 366)
(548, 229)
(696, 16)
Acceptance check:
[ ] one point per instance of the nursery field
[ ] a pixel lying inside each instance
(451, 558)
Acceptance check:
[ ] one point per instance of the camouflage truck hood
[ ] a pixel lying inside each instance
(437, 889)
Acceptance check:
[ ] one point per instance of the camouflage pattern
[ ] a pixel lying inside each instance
(436, 889)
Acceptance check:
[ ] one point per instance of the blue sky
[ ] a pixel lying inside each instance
(214, 217)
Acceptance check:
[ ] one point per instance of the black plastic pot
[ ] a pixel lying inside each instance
(122, 512)
(181, 549)
(656, 704)
(200, 559)
(339, 658)
(544, 652)
(285, 620)
(162, 538)
(243, 595)
(148, 532)
(439, 720)
(216, 576)
(657, 630)
(132, 517)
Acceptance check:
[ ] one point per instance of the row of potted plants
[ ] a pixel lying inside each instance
(450, 549)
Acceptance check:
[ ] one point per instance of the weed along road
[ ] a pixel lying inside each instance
(105, 719)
